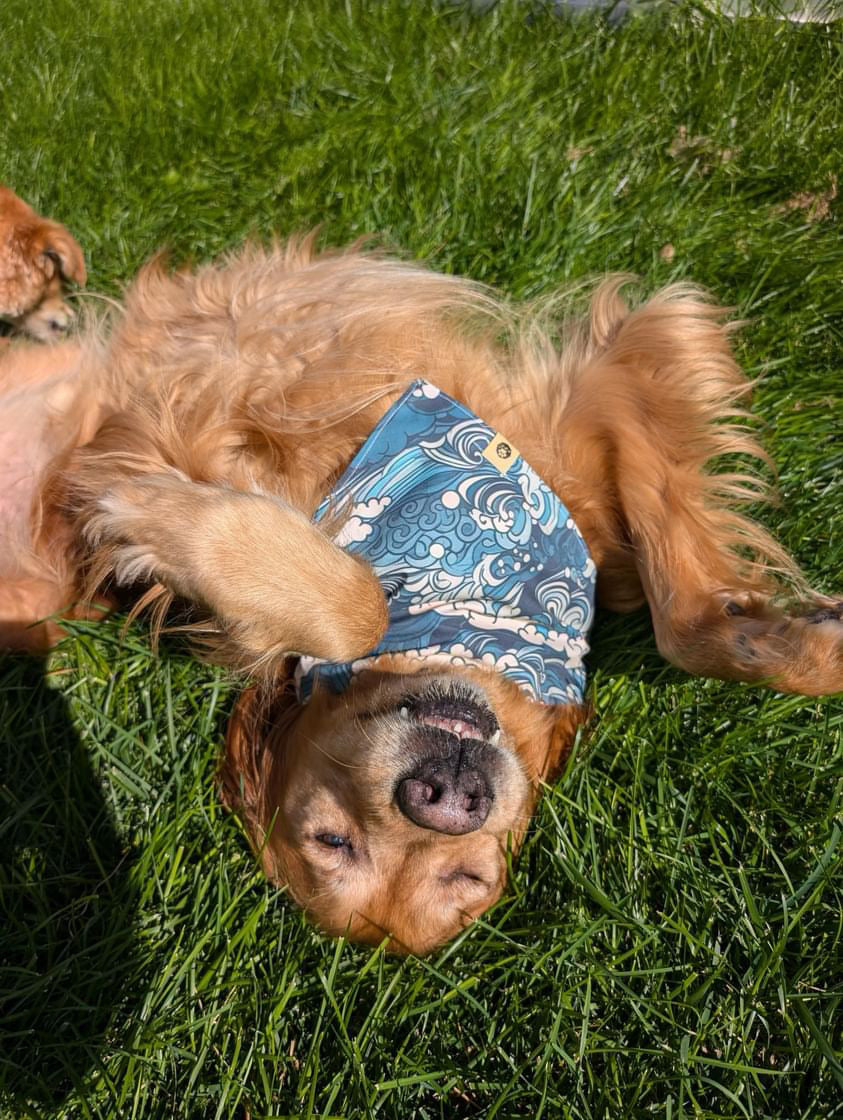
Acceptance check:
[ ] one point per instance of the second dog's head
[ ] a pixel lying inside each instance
(391, 809)
(37, 259)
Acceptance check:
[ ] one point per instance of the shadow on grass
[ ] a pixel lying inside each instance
(624, 644)
(67, 909)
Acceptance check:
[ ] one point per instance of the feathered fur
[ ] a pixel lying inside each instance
(187, 447)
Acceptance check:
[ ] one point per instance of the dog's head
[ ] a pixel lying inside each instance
(391, 809)
(38, 259)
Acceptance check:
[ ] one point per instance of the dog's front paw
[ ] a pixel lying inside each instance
(351, 619)
(338, 616)
(274, 580)
(282, 586)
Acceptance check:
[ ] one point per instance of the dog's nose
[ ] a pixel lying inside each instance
(445, 798)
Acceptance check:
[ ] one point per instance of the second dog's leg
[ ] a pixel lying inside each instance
(274, 582)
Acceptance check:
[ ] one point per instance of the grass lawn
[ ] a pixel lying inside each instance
(672, 943)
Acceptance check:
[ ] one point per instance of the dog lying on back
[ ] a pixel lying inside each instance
(37, 259)
(186, 455)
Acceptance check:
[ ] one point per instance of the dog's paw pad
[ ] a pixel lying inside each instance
(831, 613)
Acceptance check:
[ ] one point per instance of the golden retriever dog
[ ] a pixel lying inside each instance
(38, 259)
(196, 454)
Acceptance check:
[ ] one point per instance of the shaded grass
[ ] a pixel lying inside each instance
(672, 944)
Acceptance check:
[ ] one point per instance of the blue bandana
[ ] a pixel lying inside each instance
(481, 563)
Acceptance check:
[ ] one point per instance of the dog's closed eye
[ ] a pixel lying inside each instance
(333, 840)
(462, 875)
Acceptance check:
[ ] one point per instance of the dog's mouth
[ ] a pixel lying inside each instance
(457, 711)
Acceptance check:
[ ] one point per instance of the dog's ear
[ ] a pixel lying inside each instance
(252, 767)
(61, 253)
(242, 769)
(253, 752)
(567, 721)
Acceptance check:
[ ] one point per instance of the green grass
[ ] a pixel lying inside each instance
(672, 943)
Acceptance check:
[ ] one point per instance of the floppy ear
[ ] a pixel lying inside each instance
(570, 718)
(61, 252)
(251, 765)
(242, 769)
(565, 721)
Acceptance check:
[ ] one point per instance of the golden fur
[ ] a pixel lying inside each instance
(37, 259)
(183, 455)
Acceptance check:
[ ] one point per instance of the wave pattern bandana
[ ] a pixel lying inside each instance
(481, 563)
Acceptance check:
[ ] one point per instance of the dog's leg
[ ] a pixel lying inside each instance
(659, 398)
(274, 581)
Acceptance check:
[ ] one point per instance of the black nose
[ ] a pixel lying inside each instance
(446, 795)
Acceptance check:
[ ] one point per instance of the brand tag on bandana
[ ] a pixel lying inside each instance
(501, 454)
(481, 563)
